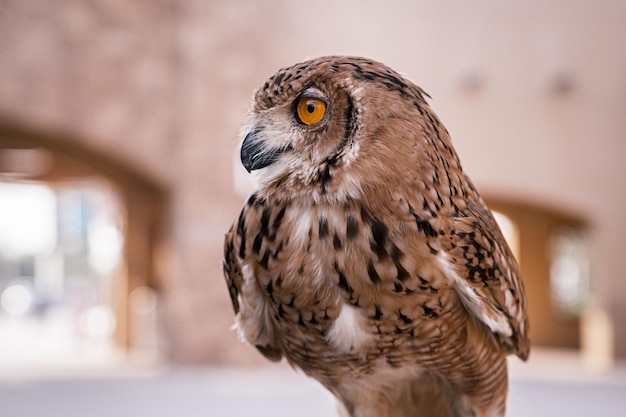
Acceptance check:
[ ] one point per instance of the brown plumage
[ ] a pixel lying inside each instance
(366, 257)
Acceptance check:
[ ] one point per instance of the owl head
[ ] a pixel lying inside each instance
(335, 127)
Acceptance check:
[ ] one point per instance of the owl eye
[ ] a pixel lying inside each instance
(310, 110)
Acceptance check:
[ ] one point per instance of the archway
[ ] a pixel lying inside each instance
(553, 256)
(136, 205)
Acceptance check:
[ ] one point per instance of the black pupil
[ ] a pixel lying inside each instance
(310, 107)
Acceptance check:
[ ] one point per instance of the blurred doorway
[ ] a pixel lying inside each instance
(78, 234)
(552, 251)
(60, 251)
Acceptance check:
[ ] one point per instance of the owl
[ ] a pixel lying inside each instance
(365, 256)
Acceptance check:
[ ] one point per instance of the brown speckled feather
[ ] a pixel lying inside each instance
(366, 257)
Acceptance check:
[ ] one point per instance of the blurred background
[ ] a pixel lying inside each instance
(119, 123)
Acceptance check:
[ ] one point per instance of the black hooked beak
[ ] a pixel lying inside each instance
(256, 155)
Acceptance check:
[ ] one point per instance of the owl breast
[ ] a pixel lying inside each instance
(334, 303)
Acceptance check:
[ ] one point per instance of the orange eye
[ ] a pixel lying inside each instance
(310, 110)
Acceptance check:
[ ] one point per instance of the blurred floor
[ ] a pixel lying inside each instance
(552, 384)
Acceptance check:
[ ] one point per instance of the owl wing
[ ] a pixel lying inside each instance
(252, 315)
(232, 272)
(478, 261)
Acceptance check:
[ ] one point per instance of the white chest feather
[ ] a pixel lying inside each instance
(347, 333)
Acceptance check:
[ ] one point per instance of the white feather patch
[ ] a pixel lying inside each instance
(497, 322)
(300, 222)
(347, 334)
(251, 322)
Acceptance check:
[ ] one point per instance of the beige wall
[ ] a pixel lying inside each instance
(533, 93)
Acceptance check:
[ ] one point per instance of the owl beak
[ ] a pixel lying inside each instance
(255, 154)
